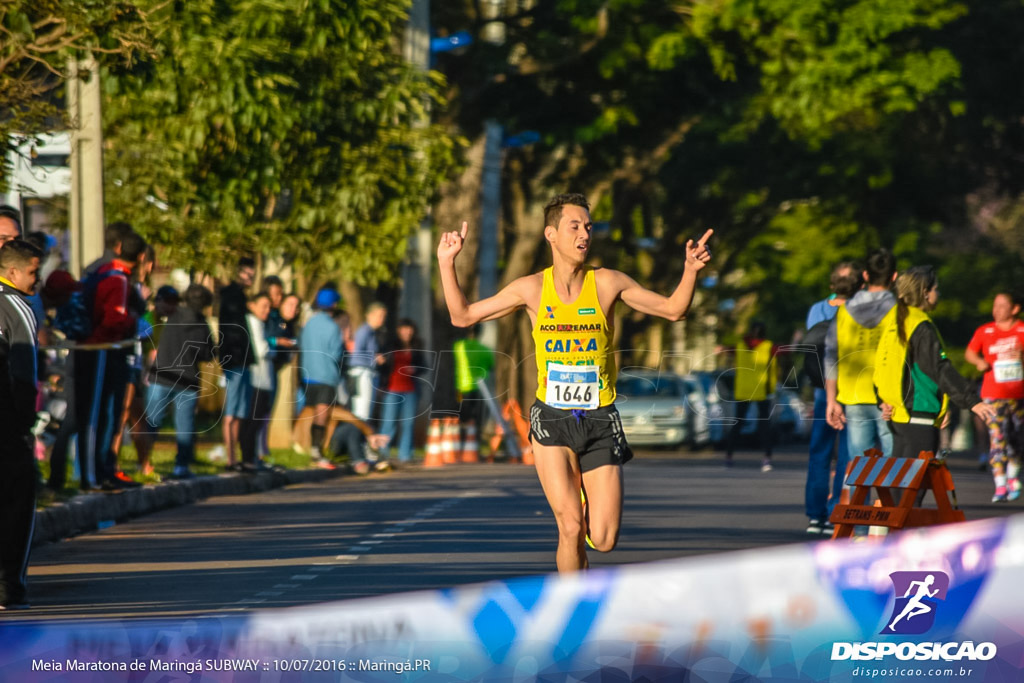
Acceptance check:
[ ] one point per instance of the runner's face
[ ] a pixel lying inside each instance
(572, 238)
(1003, 309)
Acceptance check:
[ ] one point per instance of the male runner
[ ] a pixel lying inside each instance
(578, 443)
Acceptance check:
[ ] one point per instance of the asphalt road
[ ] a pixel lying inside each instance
(417, 529)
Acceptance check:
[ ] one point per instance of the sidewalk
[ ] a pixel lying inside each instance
(91, 511)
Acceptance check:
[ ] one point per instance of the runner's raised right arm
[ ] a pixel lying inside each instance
(463, 313)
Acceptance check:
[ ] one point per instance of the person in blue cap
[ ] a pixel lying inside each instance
(320, 354)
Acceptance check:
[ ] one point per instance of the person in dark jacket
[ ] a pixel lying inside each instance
(174, 376)
(19, 273)
(235, 353)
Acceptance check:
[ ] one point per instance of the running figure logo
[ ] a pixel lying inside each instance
(917, 597)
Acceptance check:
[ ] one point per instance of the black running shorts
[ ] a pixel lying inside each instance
(596, 436)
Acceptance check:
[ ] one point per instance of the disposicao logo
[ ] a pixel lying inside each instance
(917, 598)
(919, 595)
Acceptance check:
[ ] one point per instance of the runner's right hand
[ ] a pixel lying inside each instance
(451, 243)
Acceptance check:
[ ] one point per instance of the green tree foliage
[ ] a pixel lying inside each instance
(803, 131)
(277, 127)
(38, 38)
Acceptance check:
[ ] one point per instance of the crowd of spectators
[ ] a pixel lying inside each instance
(117, 358)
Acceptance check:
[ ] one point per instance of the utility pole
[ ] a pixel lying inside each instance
(490, 203)
(86, 210)
(416, 302)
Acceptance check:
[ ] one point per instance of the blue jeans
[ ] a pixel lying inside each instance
(865, 429)
(158, 399)
(824, 439)
(399, 408)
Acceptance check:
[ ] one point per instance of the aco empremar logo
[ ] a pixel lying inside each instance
(919, 595)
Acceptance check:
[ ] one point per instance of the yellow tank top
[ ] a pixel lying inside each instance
(891, 367)
(576, 335)
(756, 372)
(856, 346)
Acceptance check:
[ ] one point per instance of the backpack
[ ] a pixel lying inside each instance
(74, 318)
(814, 358)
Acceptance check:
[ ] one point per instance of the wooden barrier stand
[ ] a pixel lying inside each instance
(911, 477)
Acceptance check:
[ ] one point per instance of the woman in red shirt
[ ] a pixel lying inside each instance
(403, 361)
(997, 349)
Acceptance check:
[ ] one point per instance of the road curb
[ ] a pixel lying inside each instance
(91, 511)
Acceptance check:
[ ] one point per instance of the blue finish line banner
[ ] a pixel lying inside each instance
(945, 603)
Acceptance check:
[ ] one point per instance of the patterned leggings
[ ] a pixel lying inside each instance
(1005, 434)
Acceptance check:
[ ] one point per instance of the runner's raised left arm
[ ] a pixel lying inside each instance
(676, 306)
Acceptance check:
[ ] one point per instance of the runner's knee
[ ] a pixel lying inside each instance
(604, 540)
(570, 526)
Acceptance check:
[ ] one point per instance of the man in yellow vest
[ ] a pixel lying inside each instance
(850, 348)
(578, 441)
(757, 373)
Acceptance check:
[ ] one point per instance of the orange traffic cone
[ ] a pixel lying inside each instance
(470, 445)
(433, 457)
(521, 428)
(450, 440)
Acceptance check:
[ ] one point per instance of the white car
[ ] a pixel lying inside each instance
(661, 408)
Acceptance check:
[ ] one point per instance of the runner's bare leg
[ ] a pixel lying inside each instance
(559, 472)
(603, 487)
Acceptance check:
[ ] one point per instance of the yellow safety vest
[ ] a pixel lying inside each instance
(855, 348)
(756, 372)
(891, 367)
(574, 334)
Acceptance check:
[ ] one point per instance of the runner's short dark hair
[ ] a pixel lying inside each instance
(553, 210)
